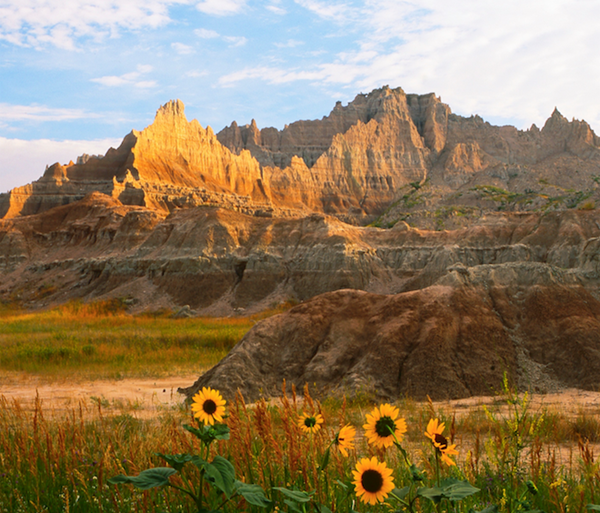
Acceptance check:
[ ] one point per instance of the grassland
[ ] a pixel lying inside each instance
(519, 456)
(102, 341)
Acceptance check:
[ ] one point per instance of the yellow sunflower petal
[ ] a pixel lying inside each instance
(310, 423)
(208, 406)
(372, 480)
(345, 439)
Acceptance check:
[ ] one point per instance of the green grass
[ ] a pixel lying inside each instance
(520, 458)
(103, 341)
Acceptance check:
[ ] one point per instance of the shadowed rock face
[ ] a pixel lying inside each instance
(219, 262)
(445, 342)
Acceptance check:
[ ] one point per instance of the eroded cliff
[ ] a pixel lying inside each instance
(386, 156)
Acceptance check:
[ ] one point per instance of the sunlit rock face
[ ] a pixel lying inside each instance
(362, 160)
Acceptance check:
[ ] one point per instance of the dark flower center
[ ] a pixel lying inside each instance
(441, 440)
(209, 407)
(372, 481)
(385, 426)
(310, 422)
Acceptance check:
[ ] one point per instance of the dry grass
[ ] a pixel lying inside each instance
(102, 341)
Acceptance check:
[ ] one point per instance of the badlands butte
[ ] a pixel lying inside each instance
(429, 253)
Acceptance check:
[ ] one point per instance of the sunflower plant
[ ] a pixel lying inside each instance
(374, 481)
(216, 485)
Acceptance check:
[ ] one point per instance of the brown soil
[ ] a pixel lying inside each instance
(144, 396)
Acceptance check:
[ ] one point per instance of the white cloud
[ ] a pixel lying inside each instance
(235, 40)
(196, 74)
(290, 43)
(338, 12)
(277, 10)
(22, 162)
(221, 7)
(509, 59)
(128, 79)
(59, 23)
(270, 75)
(145, 84)
(35, 112)
(182, 49)
(206, 33)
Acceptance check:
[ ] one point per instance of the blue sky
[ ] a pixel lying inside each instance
(77, 75)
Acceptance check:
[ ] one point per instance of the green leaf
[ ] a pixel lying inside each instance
(293, 506)
(433, 494)
(324, 460)
(450, 489)
(321, 508)
(342, 484)
(208, 433)
(253, 494)
(147, 479)
(227, 472)
(416, 474)
(457, 490)
(593, 507)
(177, 461)
(219, 473)
(221, 431)
(401, 492)
(294, 494)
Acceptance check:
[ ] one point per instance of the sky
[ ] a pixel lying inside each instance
(77, 75)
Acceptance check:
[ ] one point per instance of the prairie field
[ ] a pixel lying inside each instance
(504, 453)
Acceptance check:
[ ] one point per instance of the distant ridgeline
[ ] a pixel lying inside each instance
(386, 156)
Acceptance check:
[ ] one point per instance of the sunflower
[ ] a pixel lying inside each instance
(381, 423)
(372, 480)
(434, 432)
(208, 406)
(310, 423)
(344, 440)
(447, 452)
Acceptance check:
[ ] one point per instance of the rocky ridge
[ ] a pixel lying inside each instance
(481, 252)
(386, 156)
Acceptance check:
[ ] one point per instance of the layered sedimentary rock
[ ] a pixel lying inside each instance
(445, 342)
(171, 164)
(481, 254)
(362, 161)
(219, 261)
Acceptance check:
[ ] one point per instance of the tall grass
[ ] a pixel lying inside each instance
(100, 340)
(518, 459)
(521, 458)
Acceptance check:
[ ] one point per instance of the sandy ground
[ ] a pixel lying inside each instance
(570, 402)
(144, 396)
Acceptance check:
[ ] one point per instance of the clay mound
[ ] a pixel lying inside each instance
(443, 341)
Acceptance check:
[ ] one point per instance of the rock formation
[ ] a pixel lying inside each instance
(445, 342)
(362, 162)
(465, 244)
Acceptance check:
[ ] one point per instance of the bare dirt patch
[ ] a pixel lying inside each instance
(142, 396)
(147, 395)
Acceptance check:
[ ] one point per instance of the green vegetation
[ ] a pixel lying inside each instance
(412, 198)
(294, 454)
(100, 340)
(271, 457)
(513, 200)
